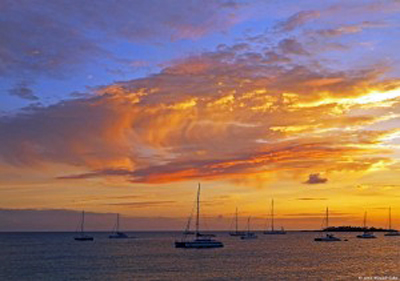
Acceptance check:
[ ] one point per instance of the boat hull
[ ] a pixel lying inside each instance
(84, 238)
(236, 234)
(392, 234)
(274, 232)
(198, 244)
(118, 235)
(324, 239)
(366, 236)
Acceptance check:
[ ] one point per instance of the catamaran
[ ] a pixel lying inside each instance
(366, 234)
(236, 232)
(116, 233)
(273, 231)
(201, 240)
(328, 236)
(248, 234)
(83, 236)
(391, 232)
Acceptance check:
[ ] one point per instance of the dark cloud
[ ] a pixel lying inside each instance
(297, 20)
(291, 46)
(23, 91)
(315, 179)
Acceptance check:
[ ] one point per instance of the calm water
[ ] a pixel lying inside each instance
(151, 256)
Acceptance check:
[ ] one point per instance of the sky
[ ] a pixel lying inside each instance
(125, 106)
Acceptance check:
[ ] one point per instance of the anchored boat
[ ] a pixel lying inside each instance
(391, 232)
(117, 234)
(366, 234)
(273, 230)
(328, 236)
(248, 234)
(236, 232)
(82, 236)
(201, 240)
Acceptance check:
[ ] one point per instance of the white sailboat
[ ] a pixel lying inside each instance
(82, 236)
(273, 230)
(366, 234)
(248, 234)
(201, 240)
(117, 234)
(328, 236)
(392, 232)
(236, 232)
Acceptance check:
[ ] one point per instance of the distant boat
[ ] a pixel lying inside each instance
(273, 231)
(366, 234)
(201, 240)
(328, 236)
(236, 232)
(116, 233)
(248, 234)
(391, 232)
(83, 236)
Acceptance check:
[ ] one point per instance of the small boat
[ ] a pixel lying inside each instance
(366, 234)
(391, 232)
(116, 233)
(201, 241)
(248, 234)
(328, 236)
(236, 232)
(273, 230)
(83, 236)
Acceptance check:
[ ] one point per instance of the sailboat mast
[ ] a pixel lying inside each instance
(198, 211)
(83, 221)
(272, 215)
(390, 217)
(327, 217)
(117, 228)
(248, 225)
(236, 218)
(365, 220)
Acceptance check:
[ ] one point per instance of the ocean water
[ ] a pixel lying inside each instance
(152, 256)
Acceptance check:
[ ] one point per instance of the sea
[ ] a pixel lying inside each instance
(152, 256)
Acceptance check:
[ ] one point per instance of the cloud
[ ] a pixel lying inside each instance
(296, 20)
(315, 179)
(52, 39)
(23, 91)
(291, 46)
(234, 112)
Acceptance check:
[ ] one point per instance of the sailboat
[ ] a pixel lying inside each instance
(116, 233)
(366, 234)
(248, 234)
(391, 232)
(328, 237)
(236, 232)
(273, 231)
(201, 240)
(83, 236)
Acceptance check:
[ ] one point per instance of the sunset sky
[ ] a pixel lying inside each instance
(124, 106)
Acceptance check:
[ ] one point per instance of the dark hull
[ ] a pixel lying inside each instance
(118, 235)
(392, 234)
(366, 237)
(274, 232)
(236, 234)
(84, 238)
(198, 245)
(327, 238)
